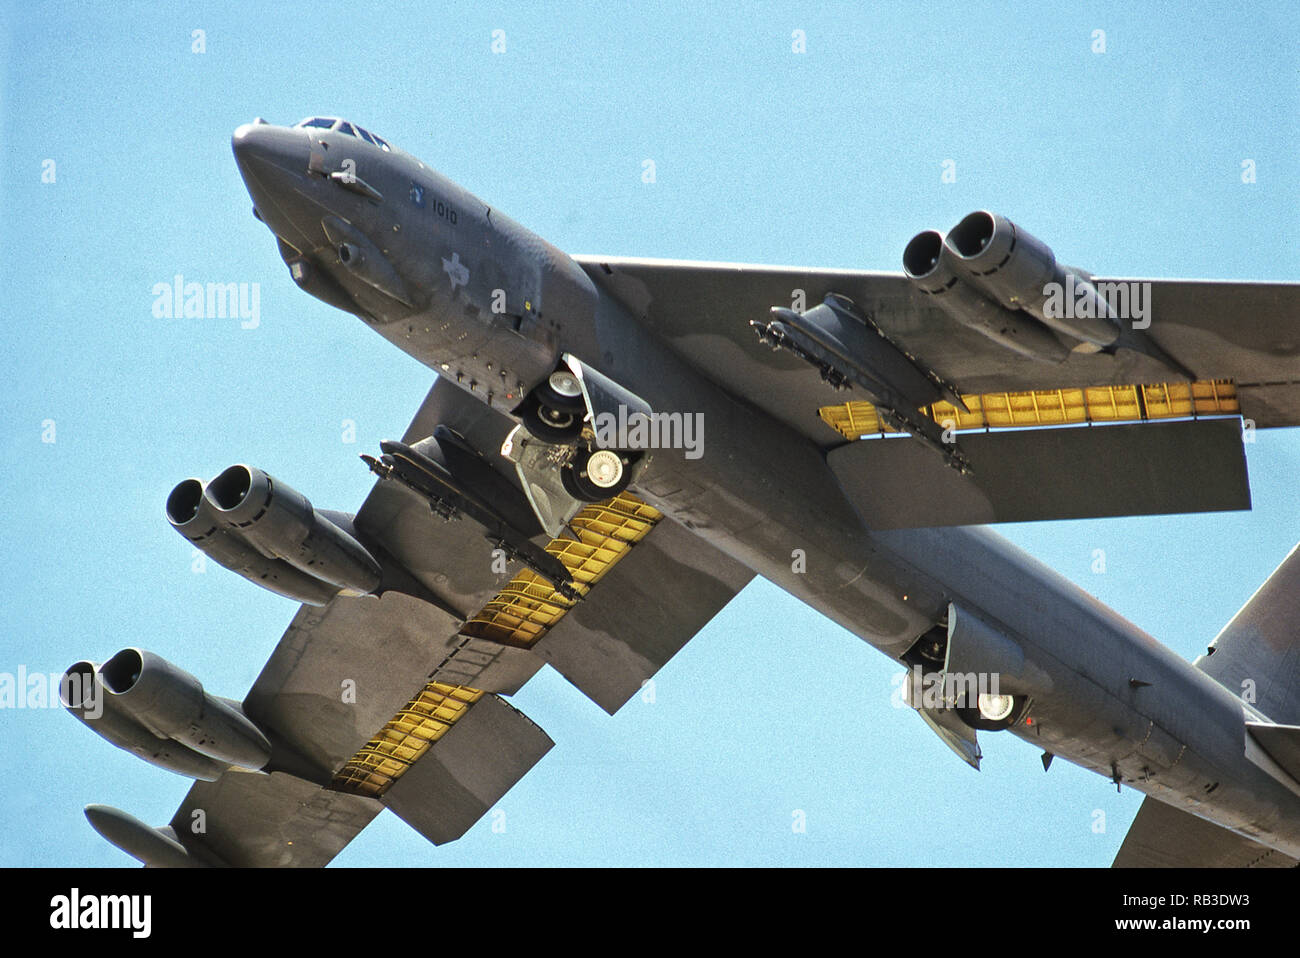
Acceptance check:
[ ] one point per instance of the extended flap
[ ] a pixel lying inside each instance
(467, 771)
(644, 610)
(1061, 473)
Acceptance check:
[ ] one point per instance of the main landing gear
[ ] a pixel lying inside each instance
(594, 475)
(555, 410)
(555, 413)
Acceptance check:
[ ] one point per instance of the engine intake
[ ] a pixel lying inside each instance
(83, 694)
(194, 517)
(281, 523)
(928, 263)
(1016, 268)
(171, 703)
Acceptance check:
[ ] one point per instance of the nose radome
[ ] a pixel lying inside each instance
(271, 148)
(273, 163)
(244, 140)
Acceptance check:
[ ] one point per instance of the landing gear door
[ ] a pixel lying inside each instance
(976, 648)
(945, 723)
(604, 397)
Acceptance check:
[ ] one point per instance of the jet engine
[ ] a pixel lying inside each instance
(171, 703)
(928, 263)
(1015, 268)
(192, 515)
(1002, 282)
(270, 533)
(281, 523)
(83, 694)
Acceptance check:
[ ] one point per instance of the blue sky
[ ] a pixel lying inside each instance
(1127, 163)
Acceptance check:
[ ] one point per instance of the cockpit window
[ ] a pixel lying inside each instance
(342, 126)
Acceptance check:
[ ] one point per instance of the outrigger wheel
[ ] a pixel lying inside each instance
(596, 475)
(557, 409)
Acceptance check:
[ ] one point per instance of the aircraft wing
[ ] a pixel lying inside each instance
(1243, 332)
(250, 820)
(396, 701)
(359, 692)
(1180, 440)
(1259, 650)
(1163, 836)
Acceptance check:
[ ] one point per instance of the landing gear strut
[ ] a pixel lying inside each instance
(555, 412)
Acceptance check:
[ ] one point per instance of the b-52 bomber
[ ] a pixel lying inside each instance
(614, 447)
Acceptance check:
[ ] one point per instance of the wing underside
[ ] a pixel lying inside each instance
(396, 701)
(1099, 433)
(1232, 332)
(1163, 836)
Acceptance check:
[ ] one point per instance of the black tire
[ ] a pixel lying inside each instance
(547, 396)
(570, 482)
(552, 425)
(973, 718)
(578, 484)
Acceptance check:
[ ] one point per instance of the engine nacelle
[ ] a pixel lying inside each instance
(281, 523)
(192, 515)
(171, 703)
(928, 263)
(83, 694)
(1014, 267)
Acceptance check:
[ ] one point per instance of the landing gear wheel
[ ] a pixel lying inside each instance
(561, 390)
(993, 713)
(594, 476)
(552, 425)
(555, 409)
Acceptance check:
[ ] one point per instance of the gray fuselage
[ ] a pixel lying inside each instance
(487, 304)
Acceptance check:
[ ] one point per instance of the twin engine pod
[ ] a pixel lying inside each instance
(145, 705)
(270, 534)
(997, 279)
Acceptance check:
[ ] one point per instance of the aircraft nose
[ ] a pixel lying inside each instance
(249, 139)
(273, 162)
(279, 146)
